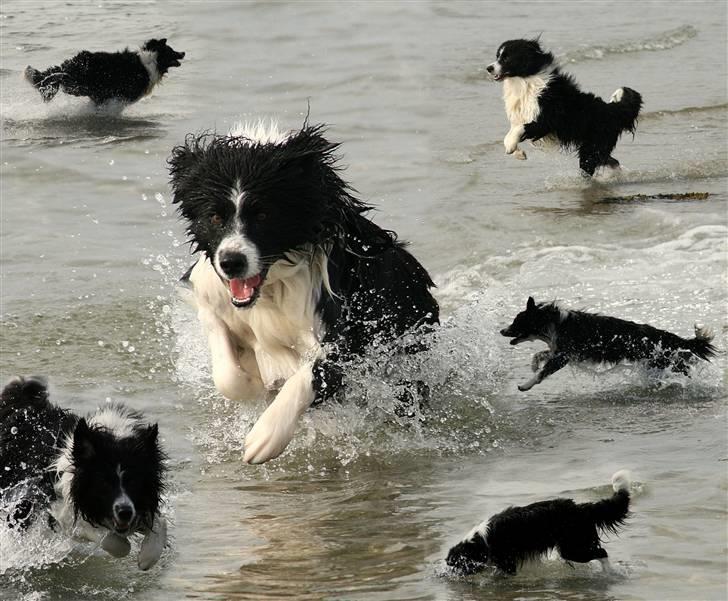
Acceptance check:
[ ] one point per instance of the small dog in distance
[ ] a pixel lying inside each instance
(589, 337)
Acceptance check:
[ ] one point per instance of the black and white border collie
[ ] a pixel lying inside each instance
(519, 534)
(289, 262)
(544, 103)
(581, 336)
(124, 76)
(100, 478)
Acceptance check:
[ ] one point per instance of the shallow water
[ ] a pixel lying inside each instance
(364, 505)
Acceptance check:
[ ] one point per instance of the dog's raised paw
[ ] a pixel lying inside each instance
(269, 436)
(115, 545)
(152, 545)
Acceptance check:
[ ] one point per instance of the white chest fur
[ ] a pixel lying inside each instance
(520, 95)
(282, 328)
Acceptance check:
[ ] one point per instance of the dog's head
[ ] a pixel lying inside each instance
(519, 58)
(166, 56)
(251, 199)
(469, 556)
(535, 323)
(117, 480)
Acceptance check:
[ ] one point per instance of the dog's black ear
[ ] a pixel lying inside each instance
(310, 144)
(83, 446)
(531, 304)
(150, 435)
(163, 41)
(184, 160)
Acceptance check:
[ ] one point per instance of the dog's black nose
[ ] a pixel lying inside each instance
(489, 69)
(123, 512)
(505, 332)
(180, 55)
(233, 264)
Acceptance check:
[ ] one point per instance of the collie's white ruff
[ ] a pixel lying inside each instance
(520, 95)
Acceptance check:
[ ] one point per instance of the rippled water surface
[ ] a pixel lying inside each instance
(364, 505)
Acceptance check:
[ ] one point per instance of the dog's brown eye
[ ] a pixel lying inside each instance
(216, 219)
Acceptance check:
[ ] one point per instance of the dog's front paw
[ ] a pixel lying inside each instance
(528, 385)
(152, 545)
(274, 429)
(510, 142)
(115, 545)
(270, 435)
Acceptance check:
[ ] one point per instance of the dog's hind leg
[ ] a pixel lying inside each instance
(588, 161)
(554, 364)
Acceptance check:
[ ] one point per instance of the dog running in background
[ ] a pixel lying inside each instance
(518, 534)
(99, 478)
(289, 262)
(124, 76)
(544, 103)
(580, 336)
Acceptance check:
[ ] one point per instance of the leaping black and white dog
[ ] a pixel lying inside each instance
(544, 103)
(124, 76)
(518, 534)
(581, 336)
(289, 262)
(99, 478)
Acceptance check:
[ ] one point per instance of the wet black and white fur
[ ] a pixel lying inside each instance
(519, 534)
(124, 76)
(99, 478)
(289, 262)
(544, 103)
(581, 336)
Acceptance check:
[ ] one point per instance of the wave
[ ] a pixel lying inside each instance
(685, 111)
(661, 41)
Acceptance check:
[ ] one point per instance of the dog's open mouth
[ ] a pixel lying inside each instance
(516, 339)
(122, 528)
(244, 291)
(497, 77)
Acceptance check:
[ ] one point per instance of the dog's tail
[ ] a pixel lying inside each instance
(701, 345)
(625, 105)
(46, 82)
(23, 393)
(609, 515)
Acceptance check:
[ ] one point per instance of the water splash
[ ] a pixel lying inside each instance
(683, 171)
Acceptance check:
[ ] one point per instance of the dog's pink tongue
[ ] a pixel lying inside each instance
(243, 289)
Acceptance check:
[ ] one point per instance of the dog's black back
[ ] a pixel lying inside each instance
(380, 290)
(582, 121)
(103, 76)
(31, 429)
(599, 338)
